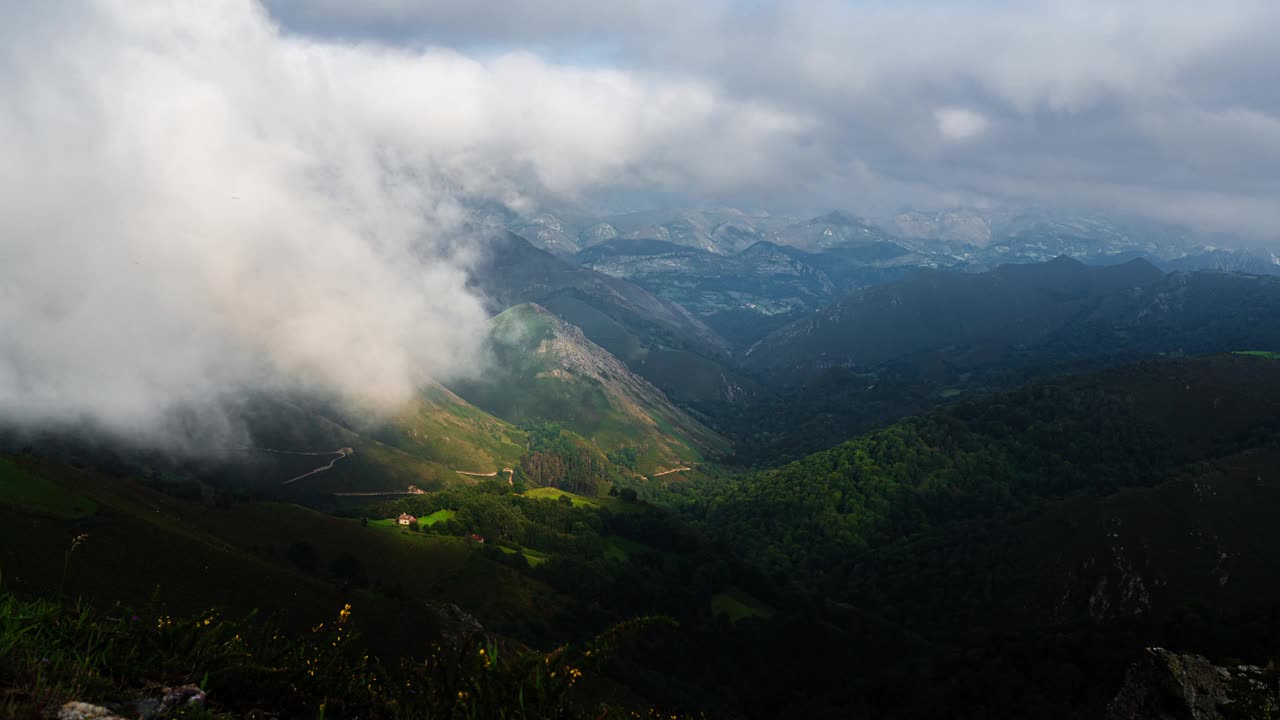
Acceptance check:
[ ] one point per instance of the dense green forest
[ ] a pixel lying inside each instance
(816, 515)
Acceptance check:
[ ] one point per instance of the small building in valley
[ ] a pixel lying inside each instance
(477, 538)
(405, 519)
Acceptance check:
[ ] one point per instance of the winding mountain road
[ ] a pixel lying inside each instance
(340, 452)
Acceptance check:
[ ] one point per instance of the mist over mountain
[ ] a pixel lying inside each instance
(197, 202)
(593, 361)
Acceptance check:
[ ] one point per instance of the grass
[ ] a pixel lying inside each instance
(30, 491)
(607, 411)
(190, 555)
(534, 557)
(52, 653)
(618, 548)
(429, 520)
(1259, 353)
(550, 493)
(437, 516)
(738, 605)
(443, 428)
(582, 501)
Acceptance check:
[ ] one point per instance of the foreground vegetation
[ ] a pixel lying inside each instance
(53, 653)
(1007, 556)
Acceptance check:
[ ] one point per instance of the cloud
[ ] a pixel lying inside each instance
(957, 123)
(193, 204)
(1169, 106)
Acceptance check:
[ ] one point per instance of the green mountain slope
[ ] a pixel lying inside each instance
(542, 368)
(974, 318)
(306, 448)
(658, 339)
(938, 338)
(425, 442)
(194, 553)
(1031, 537)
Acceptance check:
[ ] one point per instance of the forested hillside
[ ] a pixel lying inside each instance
(1125, 428)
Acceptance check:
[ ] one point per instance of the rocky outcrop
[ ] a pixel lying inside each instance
(1165, 685)
(85, 711)
(174, 702)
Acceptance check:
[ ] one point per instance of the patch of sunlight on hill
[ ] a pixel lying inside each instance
(32, 492)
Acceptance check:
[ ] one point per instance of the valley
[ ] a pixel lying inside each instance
(913, 463)
(639, 361)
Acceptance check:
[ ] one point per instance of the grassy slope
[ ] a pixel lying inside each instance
(738, 605)
(25, 489)
(544, 369)
(629, 322)
(609, 503)
(423, 443)
(447, 429)
(192, 556)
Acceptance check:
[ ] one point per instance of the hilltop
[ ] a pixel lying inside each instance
(657, 339)
(543, 368)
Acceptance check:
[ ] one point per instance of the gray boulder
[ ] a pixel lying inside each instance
(1165, 685)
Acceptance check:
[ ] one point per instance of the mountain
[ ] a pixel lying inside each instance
(989, 236)
(1039, 237)
(976, 318)
(1245, 261)
(722, 232)
(835, 229)
(303, 448)
(1053, 531)
(543, 369)
(941, 338)
(857, 266)
(964, 226)
(740, 296)
(658, 339)
(548, 232)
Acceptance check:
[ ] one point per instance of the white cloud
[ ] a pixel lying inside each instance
(959, 123)
(1135, 96)
(192, 204)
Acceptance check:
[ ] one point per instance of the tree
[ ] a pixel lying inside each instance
(628, 495)
(413, 525)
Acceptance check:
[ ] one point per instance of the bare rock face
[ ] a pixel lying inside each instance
(1165, 685)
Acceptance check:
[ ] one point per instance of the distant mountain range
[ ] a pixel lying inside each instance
(938, 337)
(745, 275)
(1018, 314)
(963, 236)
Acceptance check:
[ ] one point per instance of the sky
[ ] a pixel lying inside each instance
(1161, 109)
(199, 197)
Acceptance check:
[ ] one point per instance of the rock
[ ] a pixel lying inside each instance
(176, 698)
(146, 709)
(1165, 685)
(85, 711)
(457, 627)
